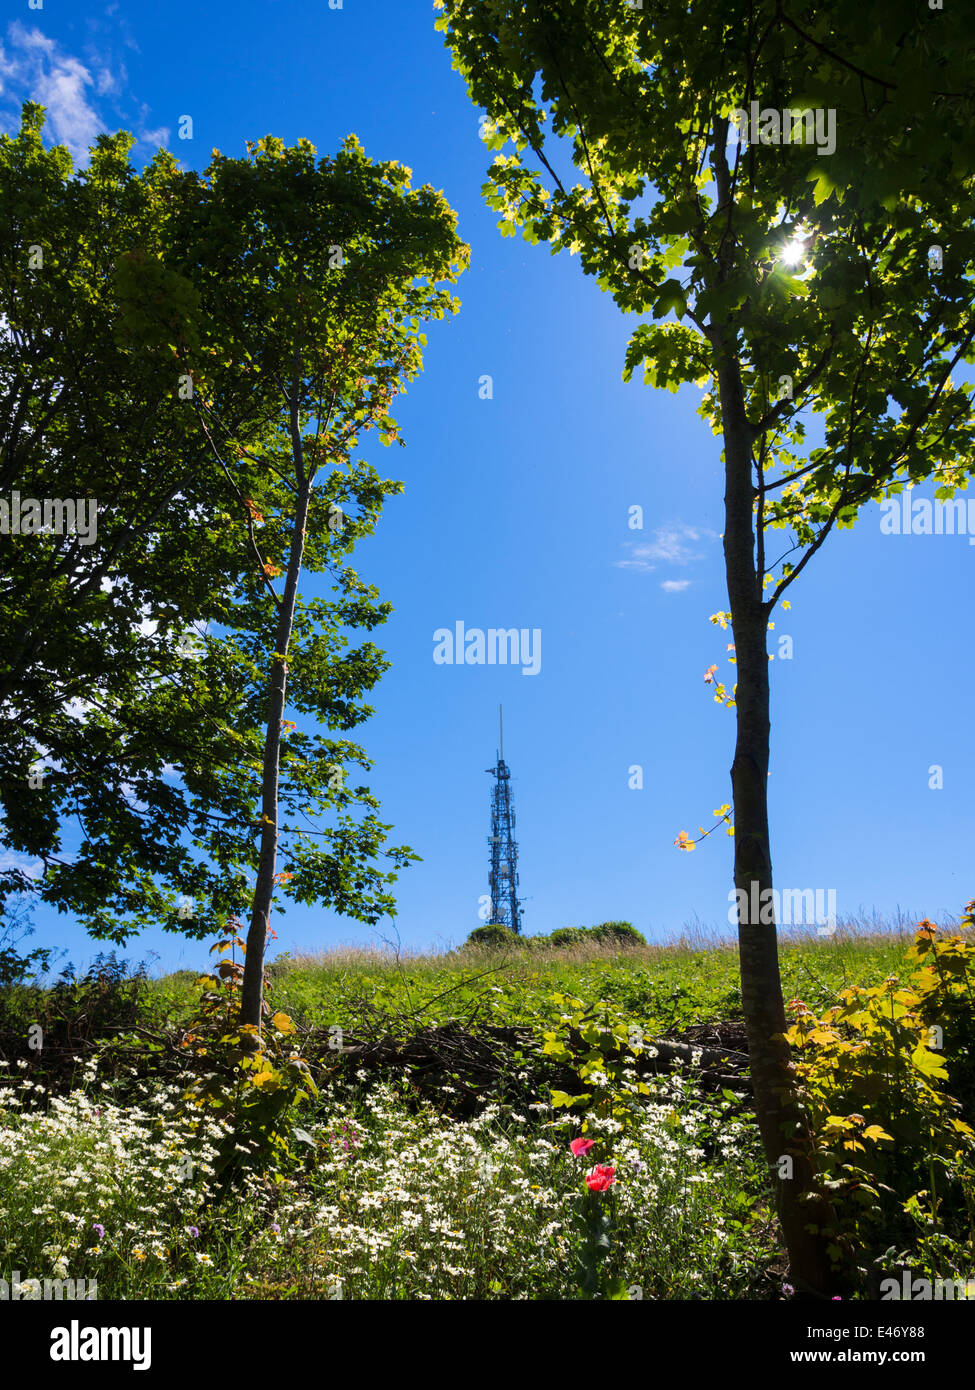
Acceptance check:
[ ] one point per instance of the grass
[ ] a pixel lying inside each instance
(663, 986)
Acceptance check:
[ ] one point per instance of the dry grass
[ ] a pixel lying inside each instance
(696, 938)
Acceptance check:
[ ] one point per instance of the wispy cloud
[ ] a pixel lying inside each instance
(109, 83)
(155, 138)
(675, 586)
(13, 859)
(33, 67)
(672, 544)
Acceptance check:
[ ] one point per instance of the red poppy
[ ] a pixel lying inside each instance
(580, 1147)
(601, 1178)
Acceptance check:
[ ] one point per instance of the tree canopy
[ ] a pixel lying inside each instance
(241, 327)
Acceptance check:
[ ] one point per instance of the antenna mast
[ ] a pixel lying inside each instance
(503, 877)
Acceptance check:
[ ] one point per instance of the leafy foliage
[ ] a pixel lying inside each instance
(618, 934)
(874, 1074)
(90, 713)
(15, 967)
(257, 1079)
(597, 1044)
(149, 364)
(494, 935)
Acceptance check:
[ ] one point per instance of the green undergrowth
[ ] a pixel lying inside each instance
(664, 989)
(389, 1203)
(116, 1169)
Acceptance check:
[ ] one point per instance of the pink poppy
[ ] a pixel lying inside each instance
(601, 1178)
(580, 1147)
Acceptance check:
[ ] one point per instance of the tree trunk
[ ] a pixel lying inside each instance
(252, 988)
(782, 1129)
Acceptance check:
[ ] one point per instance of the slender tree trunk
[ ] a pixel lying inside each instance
(783, 1133)
(252, 987)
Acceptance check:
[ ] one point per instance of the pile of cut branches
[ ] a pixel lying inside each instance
(463, 1068)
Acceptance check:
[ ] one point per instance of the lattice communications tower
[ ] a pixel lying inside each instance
(503, 879)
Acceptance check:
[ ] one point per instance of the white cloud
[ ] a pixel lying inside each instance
(639, 559)
(675, 586)
(672, 543)
(13, 859)
(34, 68)
(157, 137)
(73, 121)
(30, 38)
(110, 82)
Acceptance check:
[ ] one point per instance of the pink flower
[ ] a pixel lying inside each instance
(580, 1147)
(601, 1178)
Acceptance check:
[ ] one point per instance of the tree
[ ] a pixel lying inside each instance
(787, 276)
(314, 278)
(214, 324)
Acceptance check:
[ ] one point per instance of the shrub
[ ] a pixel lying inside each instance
(894, 1155)
(280, 966)
(107, 998)
(493, 934)
(618, 934)
(568, 936)
(182, 977)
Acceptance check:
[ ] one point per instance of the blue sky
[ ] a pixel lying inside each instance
(515, 514)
